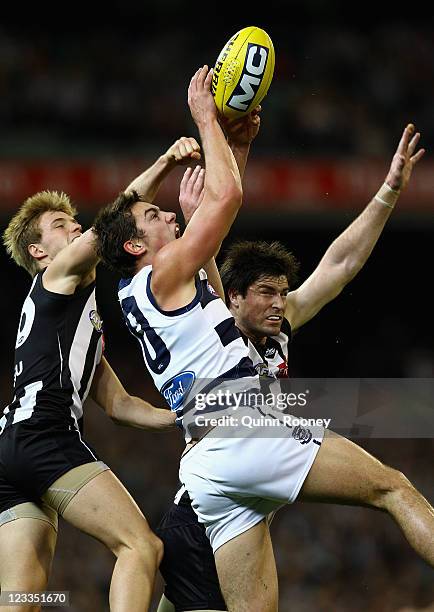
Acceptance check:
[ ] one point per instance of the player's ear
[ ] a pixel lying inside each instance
(234, 297)
(36, 251)
(135, 247)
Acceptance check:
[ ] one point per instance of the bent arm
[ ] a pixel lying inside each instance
(72, 265)
(108, 392)
(148, 183)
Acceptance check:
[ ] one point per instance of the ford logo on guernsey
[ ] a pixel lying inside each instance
(174, 389)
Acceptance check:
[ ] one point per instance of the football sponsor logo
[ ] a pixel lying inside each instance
(251, 77)
(175, 389)
(219, 64)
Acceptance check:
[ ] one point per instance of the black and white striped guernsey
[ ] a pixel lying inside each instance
(59, 344)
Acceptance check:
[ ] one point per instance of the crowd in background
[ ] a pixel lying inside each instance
(336, 92)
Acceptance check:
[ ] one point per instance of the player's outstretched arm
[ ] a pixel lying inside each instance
(176, 264)
(240, 134)
(349, 252)
(108, 392)
(183, 151)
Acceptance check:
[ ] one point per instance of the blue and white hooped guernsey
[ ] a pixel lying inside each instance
(197, 342)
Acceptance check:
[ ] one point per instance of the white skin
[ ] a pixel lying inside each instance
(342, 471)
(27, 545)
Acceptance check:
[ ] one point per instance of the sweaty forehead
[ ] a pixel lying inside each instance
(277, 282)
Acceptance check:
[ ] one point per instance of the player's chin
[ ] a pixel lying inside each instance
(272, 327)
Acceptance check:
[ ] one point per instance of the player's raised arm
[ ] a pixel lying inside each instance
(349, 252)
(181, 152)
(178, 262)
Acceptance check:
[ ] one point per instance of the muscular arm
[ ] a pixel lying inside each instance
(348, 253)
(240, 134)
(183, 151)
(108, 392)
(176, 264)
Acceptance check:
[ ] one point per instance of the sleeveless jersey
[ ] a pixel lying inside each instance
(59, 344)
(182, 347)
(271, 358)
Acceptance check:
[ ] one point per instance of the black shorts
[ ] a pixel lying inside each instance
(188, 565)
(32, 457)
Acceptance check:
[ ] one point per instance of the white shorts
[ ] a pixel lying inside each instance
(234, 483)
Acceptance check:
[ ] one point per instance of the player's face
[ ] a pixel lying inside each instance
(260, 313)
(158, 227)
(57, 231)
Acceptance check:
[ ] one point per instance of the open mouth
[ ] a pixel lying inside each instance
(274, 318)
(177, 231)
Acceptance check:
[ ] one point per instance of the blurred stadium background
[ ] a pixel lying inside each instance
(85, 105)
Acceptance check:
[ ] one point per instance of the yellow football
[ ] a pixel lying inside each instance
(243, 72)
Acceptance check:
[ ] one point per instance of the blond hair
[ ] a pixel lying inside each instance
(23, 228)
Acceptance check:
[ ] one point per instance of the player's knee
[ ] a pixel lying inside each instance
(156, 547)
(391, 485)
(144, 544)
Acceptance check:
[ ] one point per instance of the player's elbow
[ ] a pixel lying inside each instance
(232, 197)
(118, 409)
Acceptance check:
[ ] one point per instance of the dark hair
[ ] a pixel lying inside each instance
(246, 261)
(113, 226)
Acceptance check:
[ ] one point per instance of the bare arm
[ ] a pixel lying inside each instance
(240, 134)
(72, 265)
(182, 152)
(349, 252)
(176, 264)
(108, 392)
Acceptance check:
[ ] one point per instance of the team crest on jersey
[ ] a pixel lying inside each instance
(270, 352)
(96, 320)
(175, 389)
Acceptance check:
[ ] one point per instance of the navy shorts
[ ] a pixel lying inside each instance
(33, 457)
(188, 565)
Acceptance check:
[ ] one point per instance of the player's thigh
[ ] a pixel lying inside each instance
(104, 509)
(344, 472)
(247, 571)
(27, 547)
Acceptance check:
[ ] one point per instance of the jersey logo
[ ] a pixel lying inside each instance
(175, 389)
(211, 289)
(96, 320)
(270, 352)
(263, 370)
(302, 434)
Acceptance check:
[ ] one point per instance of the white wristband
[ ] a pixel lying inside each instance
(387, 196)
